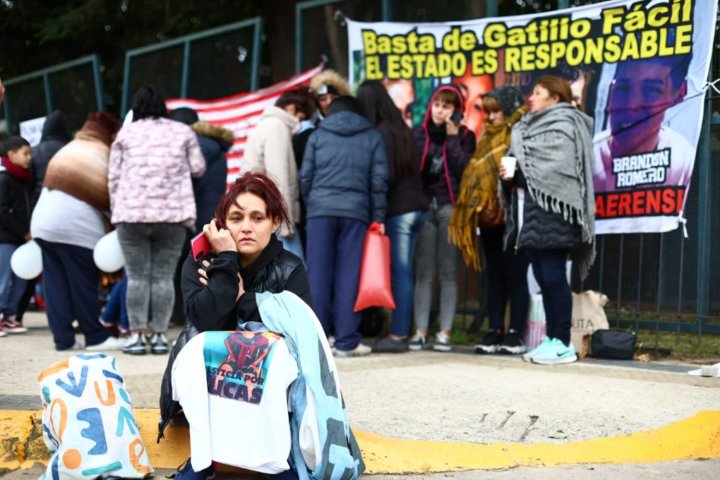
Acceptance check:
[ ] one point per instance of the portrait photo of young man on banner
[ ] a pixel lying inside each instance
(638, 68)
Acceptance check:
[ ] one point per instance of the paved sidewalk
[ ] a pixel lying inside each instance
(690, 470)
(474, 401)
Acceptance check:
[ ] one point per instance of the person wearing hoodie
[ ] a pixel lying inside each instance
(445, 147)
(343, 180)
(54, 136)
(325, 87)
(269, 150)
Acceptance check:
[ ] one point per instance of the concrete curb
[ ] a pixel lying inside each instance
(694, 438)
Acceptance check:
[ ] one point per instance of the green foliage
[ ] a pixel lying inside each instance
(39, 34)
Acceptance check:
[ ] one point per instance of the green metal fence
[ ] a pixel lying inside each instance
(74, 87)
(210, 64)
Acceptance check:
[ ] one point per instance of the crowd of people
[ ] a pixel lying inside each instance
(320, 166)
(340, 162)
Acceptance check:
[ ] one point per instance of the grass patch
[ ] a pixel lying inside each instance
(683, 346)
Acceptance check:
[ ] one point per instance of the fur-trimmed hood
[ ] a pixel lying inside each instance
(331, 78)
(213, 131)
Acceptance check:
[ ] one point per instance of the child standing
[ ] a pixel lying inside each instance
(15, 186)
(445, 147)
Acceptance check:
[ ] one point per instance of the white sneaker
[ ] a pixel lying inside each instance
(443, 343)
(417, 341)
(111, 343)
(135, 344)
(556, 353)
(359, 351)
(546, 343)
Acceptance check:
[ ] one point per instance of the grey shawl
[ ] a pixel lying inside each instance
(554, 150)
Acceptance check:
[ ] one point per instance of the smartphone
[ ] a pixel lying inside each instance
(456, 118)
(200, 246)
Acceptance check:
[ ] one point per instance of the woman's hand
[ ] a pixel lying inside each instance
(203, 273)
(451, 127)
(502, 170)
(219, 238)
(204, 279)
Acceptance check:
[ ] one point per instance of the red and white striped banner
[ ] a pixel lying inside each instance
(240, 113)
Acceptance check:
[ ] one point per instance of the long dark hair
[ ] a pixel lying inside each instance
(378, 107)
(148, 103)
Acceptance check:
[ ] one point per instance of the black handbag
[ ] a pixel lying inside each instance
(613, 344)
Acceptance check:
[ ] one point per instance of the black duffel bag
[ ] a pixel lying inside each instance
(613, 344)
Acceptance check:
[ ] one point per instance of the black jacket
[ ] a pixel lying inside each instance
(541, 229)
(344, 170)
(443, 160)
(405, 193)
(14, 209)
(213, 307)
(211, 186)
(54, 136)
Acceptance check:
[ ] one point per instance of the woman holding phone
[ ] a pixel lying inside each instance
(552, 212)
(245, 257)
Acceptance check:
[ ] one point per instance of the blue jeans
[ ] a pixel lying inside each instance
(151, 253)
(116, 306)
(12, 287)
(549, 270)
(403, 231)
(293, 245)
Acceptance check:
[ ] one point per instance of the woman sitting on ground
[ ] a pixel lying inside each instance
(246, 257)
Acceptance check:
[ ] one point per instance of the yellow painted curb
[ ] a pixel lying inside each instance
(693, 438)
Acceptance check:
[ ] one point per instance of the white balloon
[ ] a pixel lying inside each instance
(107, 254)
(26, 261)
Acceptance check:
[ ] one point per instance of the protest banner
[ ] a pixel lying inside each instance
(31, 130)
(638, 67)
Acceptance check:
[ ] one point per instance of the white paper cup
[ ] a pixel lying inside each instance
(510, 164)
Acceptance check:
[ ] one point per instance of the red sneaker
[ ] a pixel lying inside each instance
(11, 326)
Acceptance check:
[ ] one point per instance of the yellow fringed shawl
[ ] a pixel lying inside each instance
(478, 187)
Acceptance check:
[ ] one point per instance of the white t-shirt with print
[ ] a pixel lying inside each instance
(233, 390)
